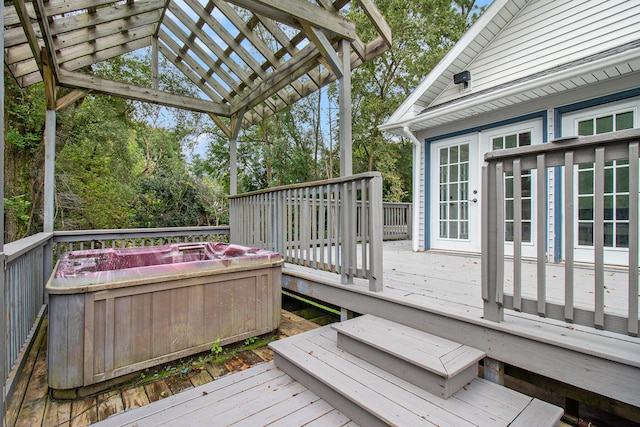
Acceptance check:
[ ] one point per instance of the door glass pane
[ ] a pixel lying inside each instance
(444, 156)
(622, 208)
(622, 236)
(608, 234)
(585, 208)
(464, 153)
(585, 233)
(464, 229)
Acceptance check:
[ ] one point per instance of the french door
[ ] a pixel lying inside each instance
(455, 199)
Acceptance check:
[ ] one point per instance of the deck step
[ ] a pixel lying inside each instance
(371, 396)
(435, 364)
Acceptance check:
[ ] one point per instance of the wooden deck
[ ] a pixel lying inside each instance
(440, 293)
(36, 408)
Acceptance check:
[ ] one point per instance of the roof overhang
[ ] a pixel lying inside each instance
(617, 62)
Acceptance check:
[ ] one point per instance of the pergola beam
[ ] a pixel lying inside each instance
(128, 91)
(291, 12)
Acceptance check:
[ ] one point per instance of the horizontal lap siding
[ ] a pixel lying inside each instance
(548, 33)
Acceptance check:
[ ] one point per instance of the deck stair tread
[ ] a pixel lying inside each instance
(369, 395)
(438, 365)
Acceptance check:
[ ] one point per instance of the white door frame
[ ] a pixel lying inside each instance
(472, 242)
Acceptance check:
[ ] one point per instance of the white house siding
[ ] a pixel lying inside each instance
(421, 224)
(547, 34)
(547, 104)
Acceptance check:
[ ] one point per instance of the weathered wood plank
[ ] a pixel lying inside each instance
(35, 399)
(134, 398)
(83, 412)
(157, 390)
(57, 414)
(84, 81)
(109, 403)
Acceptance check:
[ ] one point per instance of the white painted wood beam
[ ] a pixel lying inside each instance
(291, 12)
(124, 90)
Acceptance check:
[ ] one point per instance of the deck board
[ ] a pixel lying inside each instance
(261, 395)
(392, 399)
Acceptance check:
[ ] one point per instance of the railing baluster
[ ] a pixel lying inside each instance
(634, 177)
(598, 236)
(541, 217)
(568, 235)
(500, 234)
(517, 235)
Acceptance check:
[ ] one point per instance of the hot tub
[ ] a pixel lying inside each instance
(116, 311)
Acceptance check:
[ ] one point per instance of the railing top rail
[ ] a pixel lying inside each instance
(15, 249)
(365, 175)
(73, 235)
(565, 144)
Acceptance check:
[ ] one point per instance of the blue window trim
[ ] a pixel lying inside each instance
(557, 133)
(427, 158)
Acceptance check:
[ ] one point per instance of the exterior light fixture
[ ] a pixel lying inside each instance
(463, 78)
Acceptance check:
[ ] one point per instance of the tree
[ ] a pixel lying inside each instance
(422, 33)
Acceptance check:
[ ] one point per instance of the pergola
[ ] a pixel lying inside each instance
(249, 58)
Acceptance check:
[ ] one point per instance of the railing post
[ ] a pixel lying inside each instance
(376, 224)
(492, 244)
(409, 220)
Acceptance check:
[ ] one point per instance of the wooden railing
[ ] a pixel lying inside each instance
(333, 225)
(396, 219)
(65, 241)
(23, 306)
(564, 155)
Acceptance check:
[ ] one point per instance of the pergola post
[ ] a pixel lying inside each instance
(3, 317)
(344, 92)
(49, 147)
(236, 125)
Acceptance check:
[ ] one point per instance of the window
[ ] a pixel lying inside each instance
(512, 141)
(616, 185)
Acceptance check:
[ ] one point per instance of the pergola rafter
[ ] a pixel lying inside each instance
(253, 57)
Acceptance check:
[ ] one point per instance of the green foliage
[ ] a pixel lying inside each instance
(422, 34)
(216, 349)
